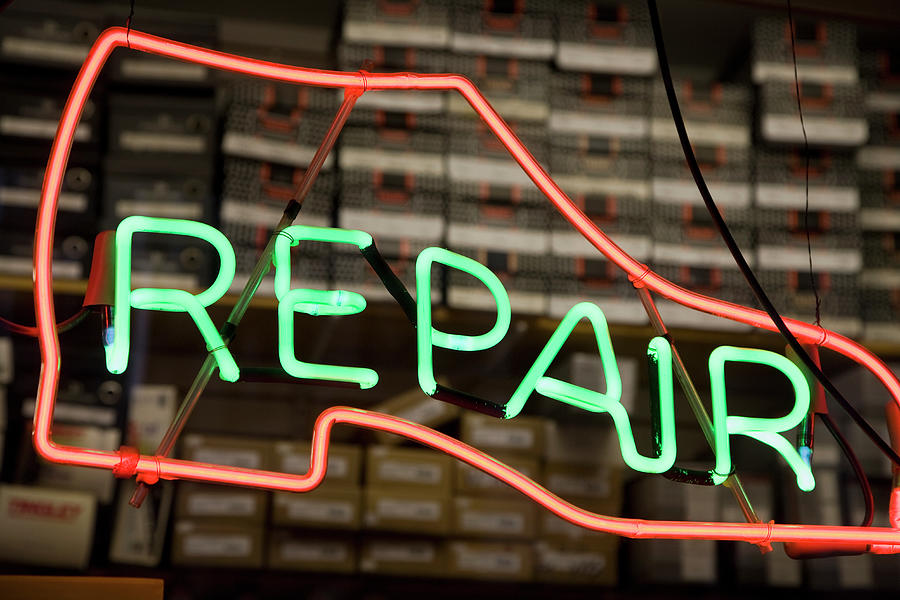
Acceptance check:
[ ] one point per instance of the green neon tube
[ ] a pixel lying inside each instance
(182, 301)
(764, 430)
(315, 303)
(609, 402)
(117, 351)
(427, 337)
(293, 235)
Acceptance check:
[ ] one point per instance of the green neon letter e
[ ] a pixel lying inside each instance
(427, 337)
(171, 300)
(315, 303)
(764, 430)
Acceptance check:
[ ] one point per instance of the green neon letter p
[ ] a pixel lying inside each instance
(427, 336)
(171, 300)
(764, 430)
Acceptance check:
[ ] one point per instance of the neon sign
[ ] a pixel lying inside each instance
(128, 462)
(343, 302)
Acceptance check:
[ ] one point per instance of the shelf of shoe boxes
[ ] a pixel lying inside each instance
(687, 247)
(396, 509)
(879, 182)
(39, 57)
(495, 213)
(393, 170)
(600, 127)
(831, 98)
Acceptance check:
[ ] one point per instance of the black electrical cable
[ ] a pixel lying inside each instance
(745, 269)
(61, 327)
(812, 278)
(857, 468)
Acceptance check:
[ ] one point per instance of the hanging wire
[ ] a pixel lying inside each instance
(62, 326)
(812, 278)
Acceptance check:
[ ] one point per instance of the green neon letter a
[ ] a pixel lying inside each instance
(171, 300)
(610, 401)
(767, 431)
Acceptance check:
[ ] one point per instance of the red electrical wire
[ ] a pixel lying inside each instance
(640, 274)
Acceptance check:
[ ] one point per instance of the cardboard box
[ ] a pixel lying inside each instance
(256, 193)
(139, 536)
(417, 153)
(521, 436)
(20, 194)
(42, 526)
(415, 406)
(329, 506)
(150, 411)
(161, 125)
(594, 563)
(489, 29)
(55, 34)
(180, 189)
(201, 502)
(402, 556)
(217, 545)
(290, 551)
(343, 468)
(493, 518)
(407, 510)
(832, 113)
(472, 481)
(414, 468)
(607, 37)
(826, 50)
(418, 24)
(490, 560)
(245, 453)
(98, 482)
(602, 483)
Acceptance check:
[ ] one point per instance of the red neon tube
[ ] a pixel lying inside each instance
(151, 467)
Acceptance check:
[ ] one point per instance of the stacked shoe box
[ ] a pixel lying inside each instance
(671, 561)
(36, 47)
(599, 131)
(831, 101)
(496, 215)
(879, 183)
(314, 530)
(392, 151)
(687, 247)
(406, 511)
(272, 131)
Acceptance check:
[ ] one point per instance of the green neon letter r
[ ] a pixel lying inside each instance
(764, 430)
(167, 299)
